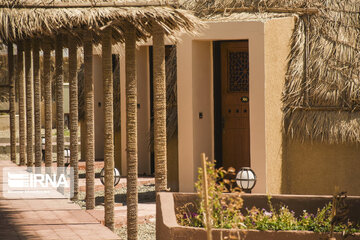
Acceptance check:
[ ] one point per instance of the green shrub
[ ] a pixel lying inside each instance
(226, 210)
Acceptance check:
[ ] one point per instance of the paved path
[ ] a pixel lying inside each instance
(46, 218)
(146, 214)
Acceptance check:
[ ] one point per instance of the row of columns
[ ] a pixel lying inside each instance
(33, 85)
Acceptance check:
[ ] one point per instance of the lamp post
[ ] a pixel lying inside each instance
(67, 156)
(116, 176)
(43, 148)
(246, 179)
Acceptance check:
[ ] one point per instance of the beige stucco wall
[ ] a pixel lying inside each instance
(5, 123)
(66, 107)
(98, 107)
(316, 168)
(202, 92)
(143, 115)
(195, 94)
(277, 47)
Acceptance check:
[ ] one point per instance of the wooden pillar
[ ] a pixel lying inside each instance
(159, 109)
(131, 132)
(108, 128)
(12, 103)
(74, 119)
(59, 78)
(29, 102)
(89, 120)
(48, 102)
(37, 102)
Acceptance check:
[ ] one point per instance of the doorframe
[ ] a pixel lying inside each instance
(217, 103)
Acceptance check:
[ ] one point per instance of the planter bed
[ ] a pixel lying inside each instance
(168, 228)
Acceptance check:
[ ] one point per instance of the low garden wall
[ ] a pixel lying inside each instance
(168, 228)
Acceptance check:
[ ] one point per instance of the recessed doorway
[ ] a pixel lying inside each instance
(231, 104)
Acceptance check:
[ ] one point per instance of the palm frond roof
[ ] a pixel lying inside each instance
(24, 19)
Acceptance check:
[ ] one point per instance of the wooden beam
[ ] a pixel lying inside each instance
(92, 5)
(308, 11)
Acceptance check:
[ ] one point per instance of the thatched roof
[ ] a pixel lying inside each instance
(322, 92)
(23, 19)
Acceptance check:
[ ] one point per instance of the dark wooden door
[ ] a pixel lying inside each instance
(235, 104)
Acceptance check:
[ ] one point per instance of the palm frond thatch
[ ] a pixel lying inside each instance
(22, 23)
(322, 90)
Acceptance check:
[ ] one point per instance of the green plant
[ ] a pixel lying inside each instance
(225, 210)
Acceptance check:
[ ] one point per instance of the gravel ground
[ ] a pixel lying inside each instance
(146, 194)
(145, 232)
(4, 157)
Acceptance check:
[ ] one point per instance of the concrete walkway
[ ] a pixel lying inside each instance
(46, 218)
(146, 214)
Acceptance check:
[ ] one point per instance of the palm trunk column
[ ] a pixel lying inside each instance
(48, 103)
(37, 102)
(12, 103)
(131, 132)
(159, 109)
(89, 120)
(29, 103)
(59, 100)
(21, 81)
(74, 120)
(108, 128)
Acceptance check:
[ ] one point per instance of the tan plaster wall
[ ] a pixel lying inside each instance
(66, 107)
(316, 168)
(144, 110)
(195, 78)
(277, 47)
(185, 115)
(98, 109)
(143, 113)
(202, 92)
(5, 123)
